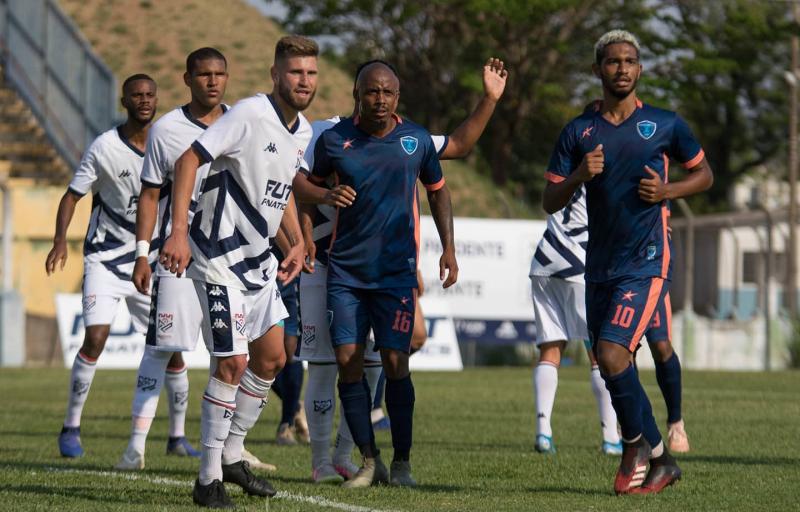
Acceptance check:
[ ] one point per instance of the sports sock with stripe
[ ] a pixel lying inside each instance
(608, 418)
(251, 398)
(149, 380)
(80, 380)
(219, 404)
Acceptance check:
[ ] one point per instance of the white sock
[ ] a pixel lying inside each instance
(608, 418)
(177, 384)
(219, 404)
(251, 398)
(344, 440)
(80, 381)
(545, 383)
(657, 451)
(149, 380)
(320, 406)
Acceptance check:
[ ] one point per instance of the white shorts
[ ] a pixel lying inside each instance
(560, 309)
(176, 315)
(315, 339)
(102, 291)
(232, 318)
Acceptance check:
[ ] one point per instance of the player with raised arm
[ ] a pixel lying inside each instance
(172, 327)
(255, 150)
(614, 151)
(110, 171)
(317, 223)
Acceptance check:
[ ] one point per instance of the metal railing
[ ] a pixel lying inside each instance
(52, 67)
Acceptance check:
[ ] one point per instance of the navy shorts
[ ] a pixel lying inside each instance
(291, 324)
(622, 310)
(661, 326)
(389, 312)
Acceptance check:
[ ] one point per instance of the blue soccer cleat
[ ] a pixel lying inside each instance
(382, 424)
(69, 442)
(611, 448)
(544, 444)
(180, 446)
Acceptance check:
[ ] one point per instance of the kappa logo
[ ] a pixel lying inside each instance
(125, 173)
(238, 323)
(89, 302)
(165, 321)
(80, 387)
(180, 397)
(646, 129)
(146, 383)
(219, 324)
(263, 403)
(323, 406)
(271, 147)
(216, 291)
(409, 144)
(217, 307)
(309, 334)
(227, 414)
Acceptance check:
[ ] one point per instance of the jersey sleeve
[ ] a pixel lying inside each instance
(229, 133)
(430, 173)
(564, 159)
(153, 171)
(320, 162)
(440, 143)
(684, 146)
(86, 173)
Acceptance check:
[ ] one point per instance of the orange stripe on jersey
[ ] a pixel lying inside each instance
(415, 206)
(668, 309)
(665, 241)
(666, 167)
(433, 187)
(553, 177)
(656, 284)
(335, 221)
(695, 161)
(639, 103)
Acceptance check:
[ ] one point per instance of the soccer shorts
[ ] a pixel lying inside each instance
(389, 312)
(231, 318)
(176, 315)
(102, 291)
(559, 307)
(661, 327)
(291, 324)
(620, 311)
(315, 341)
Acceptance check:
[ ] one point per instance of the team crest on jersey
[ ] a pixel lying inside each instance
(165, 321)
(309, 334)
(646, 129)
(238, 322)
(409, 144)
(651, 252)
(89, 302)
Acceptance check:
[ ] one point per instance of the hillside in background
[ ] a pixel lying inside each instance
(144, 36)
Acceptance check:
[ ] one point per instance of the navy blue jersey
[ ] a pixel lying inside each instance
(375, 241)
(627, 236)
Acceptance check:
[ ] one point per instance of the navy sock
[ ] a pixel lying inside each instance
(356, 406)
(400, 405)
(649, 427)
(277, 386)
(378, 402)
(626, 397)
(668, 375)
(291, 385)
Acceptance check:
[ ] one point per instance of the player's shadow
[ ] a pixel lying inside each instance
(743, 460)
(83, 493)
(568, 490)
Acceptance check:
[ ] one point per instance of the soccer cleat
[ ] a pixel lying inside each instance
(544, 444)
(256, 463)
(301, 426)
(346, 468)
(285, 436)
(379, 420)
(69, 442)
(372, 472)
(632, 467)
(180, 446)
(664, 471)
(611, 448)
(326, 474)
(239, 473)
(131, 461)
(212, 495)
(401, 474)
(677, 439)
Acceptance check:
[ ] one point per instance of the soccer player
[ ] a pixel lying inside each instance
(255, 150)
(110, 170)
(559, 295)
(372, 261)
(171, 329)
(317, 223)
(620, 152)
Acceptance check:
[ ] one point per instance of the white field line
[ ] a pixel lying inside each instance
(314, 500)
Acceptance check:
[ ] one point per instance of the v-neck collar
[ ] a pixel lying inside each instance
(598, 107)
(296, 124)
(194, 120)
(127, 142)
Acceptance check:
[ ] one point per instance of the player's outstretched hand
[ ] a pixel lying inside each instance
(311, 256)
(292, 263)
(448, 267)
(141, 275)
(340, 196)
(653, 189)
(56, 257)
(494, 78)
(592, 164)
(176, 253)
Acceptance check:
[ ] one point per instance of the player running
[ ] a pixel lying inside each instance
(172, 329)
(621, 153)
(110, 170)
(255, 150)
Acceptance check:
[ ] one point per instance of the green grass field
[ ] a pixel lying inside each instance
(473, 448)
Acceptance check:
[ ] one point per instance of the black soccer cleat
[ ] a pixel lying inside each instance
(664, 471)
(239, 473)
(632, 467)
(211, 496)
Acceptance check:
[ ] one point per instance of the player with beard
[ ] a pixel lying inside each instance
(620, 151)
(254, 150)
(110, 170)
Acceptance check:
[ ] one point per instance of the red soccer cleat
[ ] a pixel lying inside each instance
(664, 471)
(633, 467)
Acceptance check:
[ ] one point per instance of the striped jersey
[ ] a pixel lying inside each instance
(562, 250)
(254, 157)
(110, 170)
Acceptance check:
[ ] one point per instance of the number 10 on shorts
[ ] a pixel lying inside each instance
(623, 316)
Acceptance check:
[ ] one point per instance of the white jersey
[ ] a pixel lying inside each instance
(254, 158)
(562, 250)
(110, 169)
(168, 139)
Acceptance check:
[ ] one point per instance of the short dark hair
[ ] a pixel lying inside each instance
(205, 53)
(295, 46)
(361, 67)
(134, 78)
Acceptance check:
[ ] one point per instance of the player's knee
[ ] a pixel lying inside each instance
(661, 350)
(94, 341)
(231, 369)
(395, 364)
(551, 352)
(268, 367)
(612, 359)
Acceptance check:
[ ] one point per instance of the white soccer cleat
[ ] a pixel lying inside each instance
(677, 439)
(326, 474)
(256, 463)
(372, 472)
(131, 461)
(401, 474)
